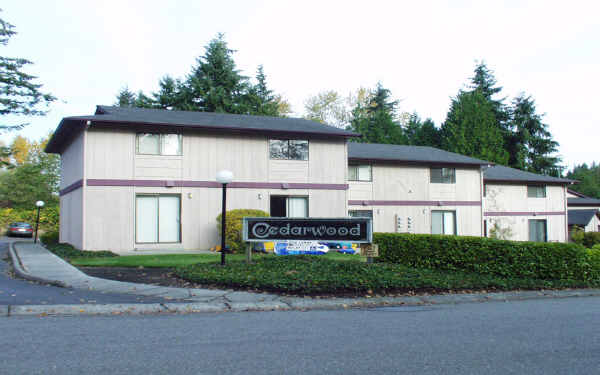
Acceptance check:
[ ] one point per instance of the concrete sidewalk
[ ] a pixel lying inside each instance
(34, 262)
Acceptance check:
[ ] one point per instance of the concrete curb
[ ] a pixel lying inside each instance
(239, 302)
(286, 304)
(20, 271)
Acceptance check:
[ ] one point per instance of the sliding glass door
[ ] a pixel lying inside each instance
(158, 218)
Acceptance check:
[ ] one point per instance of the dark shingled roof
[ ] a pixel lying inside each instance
(583, 202)
(408, 154)
(581, 217)
(223, 122)
(501, 173)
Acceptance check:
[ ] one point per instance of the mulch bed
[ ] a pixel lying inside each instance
(155, 276)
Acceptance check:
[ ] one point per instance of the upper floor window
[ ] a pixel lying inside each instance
(443, 175)
(288, 149)
(536, 191)
(158, 144)
(359, 173)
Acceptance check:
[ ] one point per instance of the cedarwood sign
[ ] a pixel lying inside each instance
(266, 229)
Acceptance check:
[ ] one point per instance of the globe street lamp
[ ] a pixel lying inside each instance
(39, 205)
(223, 177)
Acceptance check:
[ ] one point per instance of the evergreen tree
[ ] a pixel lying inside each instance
(471, 128)
(19, 94)
(589, 179)
(533, 147)
(215, 85)
(422, 133)
(169, 95)
(143, 101)
(125, 98)
(260, 100)
(376, 121)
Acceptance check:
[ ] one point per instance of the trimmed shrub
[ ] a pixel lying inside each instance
(547, 261)
(49, 238)
(587, 239)
(594, 260)
(48, 217)
(233, 227)
(67, 252)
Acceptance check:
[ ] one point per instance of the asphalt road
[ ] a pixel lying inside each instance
(560, 336)
(22, 292)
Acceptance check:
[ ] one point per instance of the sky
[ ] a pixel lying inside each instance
(424, 52)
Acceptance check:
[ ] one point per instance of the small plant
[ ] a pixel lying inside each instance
(49, 238)
(500, 233)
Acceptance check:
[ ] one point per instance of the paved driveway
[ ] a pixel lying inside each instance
(22, 292)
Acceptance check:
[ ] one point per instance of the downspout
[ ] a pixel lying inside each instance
(566, 213)
(83, 187)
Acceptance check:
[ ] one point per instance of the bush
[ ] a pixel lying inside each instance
(49, 237)
(233, 227)
(547, 261)
(67, 251)
(587, 239)
(313, 274)
(48, 217)
(594, 260)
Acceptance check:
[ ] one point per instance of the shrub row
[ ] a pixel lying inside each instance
(48, 217)
(66, 251)
(547, 261)
(312, 274)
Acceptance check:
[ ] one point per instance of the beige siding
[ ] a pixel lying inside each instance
(412, 183)
(385, 218)
(110, 154)
(71, 218)
(512, 201)
(71, 161)
(513, 198)
(110, 221)
(593, 225)
(519, 226)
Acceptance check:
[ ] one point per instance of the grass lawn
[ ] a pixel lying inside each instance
(176, 260)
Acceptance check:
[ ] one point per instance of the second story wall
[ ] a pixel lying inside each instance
(514, 198)
(71, 161)
(112, 155)
(393, 182)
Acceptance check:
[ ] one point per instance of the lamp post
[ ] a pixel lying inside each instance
(39, 205)
(224, 177)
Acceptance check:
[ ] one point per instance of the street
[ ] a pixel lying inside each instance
(559, 336)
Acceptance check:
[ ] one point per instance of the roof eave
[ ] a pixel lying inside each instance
(514, 181)
(415, 162)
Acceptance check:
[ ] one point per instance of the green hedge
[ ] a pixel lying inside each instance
(547, 261)
(48, 217)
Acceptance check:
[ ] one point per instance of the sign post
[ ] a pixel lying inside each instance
(370, 251)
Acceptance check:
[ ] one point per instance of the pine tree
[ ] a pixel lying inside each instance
(532, 139)
(422, 133)
(260, 100)
(471, 128)
(377, 120)
(169, 95)
(589, 179)
(215, 85)
(125, 98)
(19, 94)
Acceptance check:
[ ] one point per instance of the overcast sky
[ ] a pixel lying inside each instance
(423, 51)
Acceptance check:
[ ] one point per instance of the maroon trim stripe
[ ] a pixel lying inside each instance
(550, 213)
(74, 186)
(214, 184)
(413, 203)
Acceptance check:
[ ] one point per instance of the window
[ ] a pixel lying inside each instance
(537, 230)
(284, 206)
(360, 213)
(536, 191)
(158, 144)
(443, 175)
(443, 222)
(359, 173)
(288, 149)
(157, 218)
